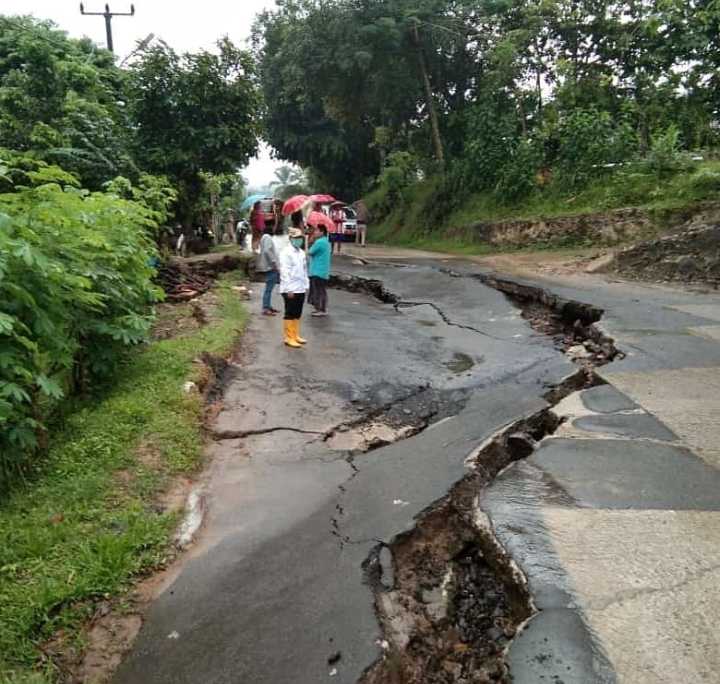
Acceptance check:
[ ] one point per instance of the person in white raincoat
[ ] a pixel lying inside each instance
(294, 283)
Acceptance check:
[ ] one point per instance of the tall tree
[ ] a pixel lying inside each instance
(194, 113)
(63, 100)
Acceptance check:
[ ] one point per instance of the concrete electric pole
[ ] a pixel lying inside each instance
(108, 20)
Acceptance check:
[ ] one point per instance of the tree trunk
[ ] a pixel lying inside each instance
(434, 123)
(521, 113)
(538, 81)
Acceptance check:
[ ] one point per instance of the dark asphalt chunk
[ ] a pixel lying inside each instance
(611, 473)
(631, 425)
(606, 399)
(557, 648)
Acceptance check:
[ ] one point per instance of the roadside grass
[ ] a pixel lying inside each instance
(88, 521)
(409, 225)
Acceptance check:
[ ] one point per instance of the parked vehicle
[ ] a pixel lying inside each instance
(266, 209)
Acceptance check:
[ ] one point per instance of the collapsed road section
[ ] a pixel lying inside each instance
(342, 495)
(449, 597)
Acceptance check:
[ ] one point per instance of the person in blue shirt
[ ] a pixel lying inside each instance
(319, 271)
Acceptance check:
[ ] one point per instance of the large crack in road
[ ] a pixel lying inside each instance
(448, 596)
(325, 462)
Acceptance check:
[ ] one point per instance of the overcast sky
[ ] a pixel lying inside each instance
(183, 24)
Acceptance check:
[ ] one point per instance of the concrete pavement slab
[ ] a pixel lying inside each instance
(687, 400)
(648, 585)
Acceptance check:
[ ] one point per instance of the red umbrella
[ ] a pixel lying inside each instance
(317, 218)
(322, 199)
(294, 204)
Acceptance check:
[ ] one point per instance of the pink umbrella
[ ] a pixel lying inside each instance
(317, 218)
(322, 199)
(294, 204)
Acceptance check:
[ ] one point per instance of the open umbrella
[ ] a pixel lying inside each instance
(317, 218)
(294, 204)
(249, 201)
(322, 199)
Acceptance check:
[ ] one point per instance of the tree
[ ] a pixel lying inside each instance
(194, 114)
(289, 181)
(63, 100)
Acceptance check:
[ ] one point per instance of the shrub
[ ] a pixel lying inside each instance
(588, 141)
(665, 157)
(401, 170)
(490, 137)
(518, 174)
(705, 183)
(75, 288)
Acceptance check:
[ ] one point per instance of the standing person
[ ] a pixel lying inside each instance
(337, 215)
(319, 254)
(363, 217)
(268, 263)
(294, 284)
(277, 212)
(257, 225)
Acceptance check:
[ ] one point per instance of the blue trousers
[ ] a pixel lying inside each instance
(272, 278)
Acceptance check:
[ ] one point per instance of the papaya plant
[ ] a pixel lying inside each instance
(75, 289)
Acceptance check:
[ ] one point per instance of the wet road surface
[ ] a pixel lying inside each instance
(612, 519)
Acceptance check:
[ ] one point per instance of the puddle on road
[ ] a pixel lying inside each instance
(460, 363)
(427, 324)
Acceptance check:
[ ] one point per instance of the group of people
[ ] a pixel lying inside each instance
(285, 263)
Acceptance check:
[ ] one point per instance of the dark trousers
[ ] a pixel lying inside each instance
(293, 306)
(318, 293)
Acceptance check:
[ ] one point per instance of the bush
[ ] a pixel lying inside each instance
(588, 141)
(665, 157)
(75, 288)
(491, 137)
(401, 171)
(705, 183)
(518, 175)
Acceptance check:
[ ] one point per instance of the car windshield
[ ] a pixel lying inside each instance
(266, 206)
(350, 213)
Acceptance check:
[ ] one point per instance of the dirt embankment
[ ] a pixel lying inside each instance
(691, 256)
(609, 228)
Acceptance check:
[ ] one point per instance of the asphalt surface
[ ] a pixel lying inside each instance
(613, 519)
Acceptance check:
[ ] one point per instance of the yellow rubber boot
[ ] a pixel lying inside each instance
(296, 330)
(288, 328)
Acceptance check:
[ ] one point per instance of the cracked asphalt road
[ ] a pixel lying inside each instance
(275, 588)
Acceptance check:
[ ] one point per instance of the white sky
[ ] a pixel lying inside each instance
(186, 25)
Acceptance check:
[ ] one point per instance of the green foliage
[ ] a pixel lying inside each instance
(89, 522)
(569, 88)
(706, 183)
(518, 174)
(62, 99)
(665, 157)
(75, 288)
(490, 140)
(587, 142)
(290, 181)
(194, 113)
(400, 171)
(155, 193)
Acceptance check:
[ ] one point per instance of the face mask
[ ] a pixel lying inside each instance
(297, 242)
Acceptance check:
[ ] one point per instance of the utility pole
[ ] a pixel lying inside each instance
(108, 20)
